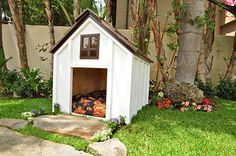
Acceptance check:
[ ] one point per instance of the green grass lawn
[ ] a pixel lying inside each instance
(12, 108)
(167, 132)
(153, 131)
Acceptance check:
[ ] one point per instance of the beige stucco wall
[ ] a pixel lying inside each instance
(34, 35)
(223, 47)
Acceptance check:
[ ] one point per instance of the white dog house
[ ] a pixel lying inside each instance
(93, 56)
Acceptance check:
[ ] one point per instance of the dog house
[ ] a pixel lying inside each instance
(98, 72)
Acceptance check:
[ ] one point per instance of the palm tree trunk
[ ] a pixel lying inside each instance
(50, 21)
(76, 9)
(205, 58)
(189, 42)
(232, 70)
(20, 32)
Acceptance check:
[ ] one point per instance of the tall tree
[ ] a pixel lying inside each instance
(108, 11)
(1, 24)
(1, 44)
(50, 21)
(20, 31)
(231, 73)
(140, 24)
(76, 8)
(190, 38)
(205, 58)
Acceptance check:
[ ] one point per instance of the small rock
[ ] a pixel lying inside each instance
(112, 147)
(13, 123)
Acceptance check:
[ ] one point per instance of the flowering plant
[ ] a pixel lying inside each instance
(116, 123)
(205, 106)
(165, 103)
(102, 135)
(156, 98)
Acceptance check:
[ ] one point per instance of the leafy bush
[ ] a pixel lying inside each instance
(226, 89)
(209, 88)
(102, 135)
(8, 78)
(26, 83)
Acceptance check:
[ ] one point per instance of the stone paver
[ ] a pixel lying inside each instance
(13, 123)
(16, 144)
(70, 125)
(112, 147)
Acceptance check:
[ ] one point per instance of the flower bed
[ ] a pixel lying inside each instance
(161, 102)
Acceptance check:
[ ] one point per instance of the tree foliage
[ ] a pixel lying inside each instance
(34, 12)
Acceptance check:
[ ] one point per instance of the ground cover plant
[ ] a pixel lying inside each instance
(13, 108)
(171, 132)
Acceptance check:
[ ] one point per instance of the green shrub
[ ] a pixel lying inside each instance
(8, 78)
(209, 88)
(26, 83)
(226, 89)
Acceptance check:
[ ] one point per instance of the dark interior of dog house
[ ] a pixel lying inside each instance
(89, 91)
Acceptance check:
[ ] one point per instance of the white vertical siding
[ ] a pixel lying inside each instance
(62, 76)
(121, 86)
(139, 85)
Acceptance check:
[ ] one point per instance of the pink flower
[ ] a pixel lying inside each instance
(194, 104)
(182, 109)
(209, 109)
(205, 108)
(183, 103)
(187, 103)
(199, 107)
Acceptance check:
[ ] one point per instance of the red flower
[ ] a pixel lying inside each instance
(205, 101)
(159, 105)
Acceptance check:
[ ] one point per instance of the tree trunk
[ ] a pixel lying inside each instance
(205, 58)
(1, 46)
(189, 42)
(50, 21)
(76, 9)
(108, 11)
(1, 43)
(140, 24)
(20, 32)
(232, 70)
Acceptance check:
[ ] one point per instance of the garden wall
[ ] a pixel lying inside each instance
(223, 47)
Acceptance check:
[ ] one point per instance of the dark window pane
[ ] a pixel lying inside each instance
(93, 53)
(86, 42)
(94, 42)
(84, 53)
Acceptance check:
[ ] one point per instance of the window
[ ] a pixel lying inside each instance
(89, 48)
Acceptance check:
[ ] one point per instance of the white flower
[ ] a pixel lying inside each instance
(161, 94)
